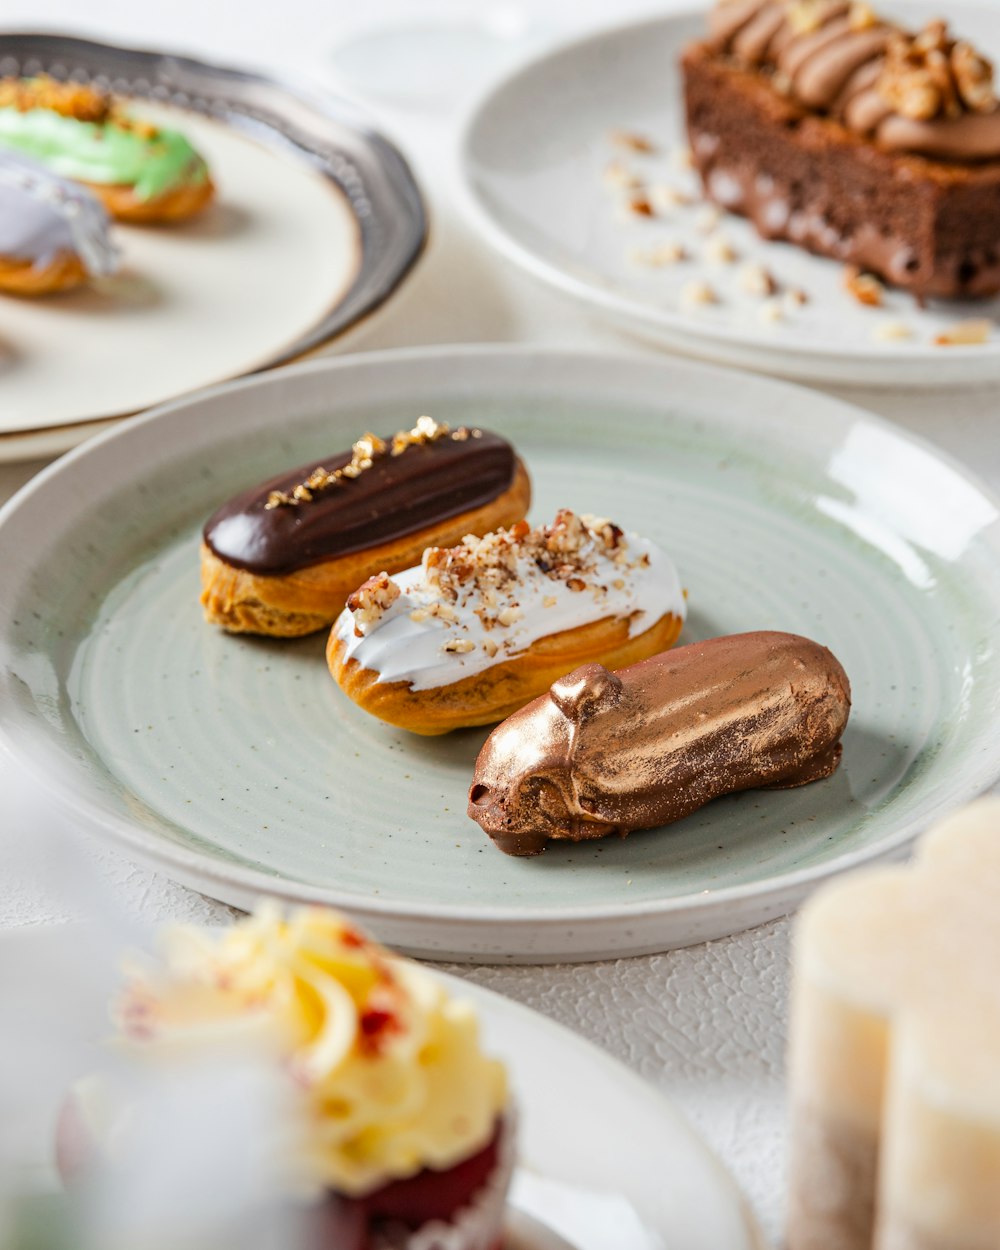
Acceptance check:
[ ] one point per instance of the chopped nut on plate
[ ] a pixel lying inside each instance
(667, 198)
(892, 332)
(756, 280)
(708, 218)
(617, 176)
(965, 334)
(865, 287)
(771, 312)
(667, 253)
(633, 141)
(719, 251)
(697, 294)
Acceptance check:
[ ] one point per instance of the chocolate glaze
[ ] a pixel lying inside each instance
(397, 496)
(606, 752)
(831, 65)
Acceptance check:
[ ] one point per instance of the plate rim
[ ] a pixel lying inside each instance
(240, 881)
(395, 204)
(699, 337)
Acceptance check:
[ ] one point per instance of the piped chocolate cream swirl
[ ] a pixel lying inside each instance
(927, 94)
(606, 752)
(380, 490)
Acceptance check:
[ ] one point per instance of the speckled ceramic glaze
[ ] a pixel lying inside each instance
(535, 159)
(237, 765)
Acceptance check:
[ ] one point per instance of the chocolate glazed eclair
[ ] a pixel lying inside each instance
(282, 557)
(606, 752)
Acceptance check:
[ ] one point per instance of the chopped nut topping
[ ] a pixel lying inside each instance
(697, 294)
(965, 334)
(865, 287)
(669, 253)
(708, 218)
(719, 251)
(69, 99)
(756, 280)
(795, 297)
(364, 453)
(682, 158)
(892, 332)
(491, 647)
(509, 615)
(771, 312)
(862, 16)
(931, 75)
(550, 601)
(667, 198)
(618, 177)
(805, 16)
(370, 601)
(633, 141)
(639, 205)
(460, 645)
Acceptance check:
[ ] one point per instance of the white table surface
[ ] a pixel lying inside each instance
(706, 1025)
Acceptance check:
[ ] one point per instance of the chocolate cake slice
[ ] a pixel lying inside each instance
(839, 131)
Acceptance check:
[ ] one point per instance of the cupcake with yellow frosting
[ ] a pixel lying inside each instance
(404, 1125)
(139, 171)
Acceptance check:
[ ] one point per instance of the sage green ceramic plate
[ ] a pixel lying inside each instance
(236, 764)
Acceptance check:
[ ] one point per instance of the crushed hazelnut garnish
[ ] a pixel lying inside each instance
(666, 198)
(965, 334)
(682, 158)
(370, 601)
(931, 75)
(618, 177)
(719, 251)
(364, 453)
(460, 645)
(707, 219)
(805, 16)
(756, 280)
(892, 332)
(795, 297)
(670, 253)
(862, 16)
(633, 141)
(697, 294)
(865, 287)
(69, 99)
(771, 312)
(639, 205)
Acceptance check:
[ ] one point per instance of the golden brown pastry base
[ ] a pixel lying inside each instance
(177, 204)
(493, 695)
(301, 602)
(21, 277)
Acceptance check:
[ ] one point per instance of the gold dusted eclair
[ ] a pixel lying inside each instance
(475, 631)
(282, 557)
(609, 752)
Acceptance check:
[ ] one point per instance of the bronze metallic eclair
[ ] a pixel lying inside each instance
(606, 752)
(282, 557)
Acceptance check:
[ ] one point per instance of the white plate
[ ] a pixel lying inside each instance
(585, 1120)
(236, 765)
(534, 155)
(316, 222)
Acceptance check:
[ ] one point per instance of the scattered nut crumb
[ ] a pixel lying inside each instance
(795, 297)
(462, 646)
(771, 312)
(639, 205)
(617, 176)
(892, 332)
(697, 294)
(632, 140)
(371, 601)
(491, 647)
(682, 158)
(862, 16)
(666, 198)
(669, 253)
(865, 287)
(756, 280)
(719, 251)
(549, 601)
(509, 615)
(419, 615)
(708, 218)
(965, 334)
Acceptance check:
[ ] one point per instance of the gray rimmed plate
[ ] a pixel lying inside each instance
(317, 221)
(236, 765)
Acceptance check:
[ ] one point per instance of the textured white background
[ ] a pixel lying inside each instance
(705, 1025)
